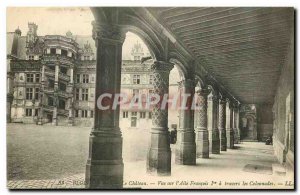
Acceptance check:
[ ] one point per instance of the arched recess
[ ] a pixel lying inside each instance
(181, 64)
(128, 21)
(150, 38)
(249, 126)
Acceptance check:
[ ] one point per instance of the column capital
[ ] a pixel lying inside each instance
(161, 66)
(203, 92)
(223, 100)
(112, 32)
(186, 83)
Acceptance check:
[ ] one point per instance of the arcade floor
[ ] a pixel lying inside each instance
(55, 157)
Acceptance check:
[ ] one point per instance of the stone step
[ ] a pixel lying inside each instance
(279, 169)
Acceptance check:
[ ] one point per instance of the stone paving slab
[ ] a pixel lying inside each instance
(71, 182)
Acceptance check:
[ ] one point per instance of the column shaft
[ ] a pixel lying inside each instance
(229, 129)
(159, 155)
(222, 124)
(185, 146)
(41, 97)
(105, 167)
(214, 136)
(202, 142)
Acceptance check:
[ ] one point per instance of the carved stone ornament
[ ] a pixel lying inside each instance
(108, 31)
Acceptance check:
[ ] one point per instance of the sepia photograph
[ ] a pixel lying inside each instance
(150, 98)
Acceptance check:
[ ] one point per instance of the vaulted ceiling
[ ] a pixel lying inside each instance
(243, 48)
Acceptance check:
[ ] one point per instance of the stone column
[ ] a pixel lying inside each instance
(55, 99)
(214, 136)
(9, 95)
(41, 97)
(105, 167)
(185, 146)
(202, 142)
(222, 123)
(71, 99)
(229, 128)
(235, 124)
(159, 155)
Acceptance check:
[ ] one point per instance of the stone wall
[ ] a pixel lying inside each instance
(265, 122)
(283, 112)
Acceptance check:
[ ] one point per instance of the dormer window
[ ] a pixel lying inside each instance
(31, 57)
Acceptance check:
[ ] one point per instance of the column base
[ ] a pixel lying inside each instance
(223, 144)
(70, 122)
(104, 168)
(202, 143)
(185, 154)
(223, 140)
(159, 154)
(235, 136)
(230, 138)
(104, 174)
(54, 122)
(159, 161)
(214, 142)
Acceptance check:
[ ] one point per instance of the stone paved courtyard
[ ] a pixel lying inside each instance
(55, 157)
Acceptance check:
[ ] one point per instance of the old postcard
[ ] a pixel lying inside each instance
(150, 98)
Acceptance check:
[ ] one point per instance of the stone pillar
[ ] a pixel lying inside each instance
(9, 95)
(41, 97)
(222, 124)
(214, 136)
(202, 142)
(71, 99)
(185, 146)
(159, 155)
(55, 99)
(105, 167)
(235, 124)
(71, 110)
(229, 127)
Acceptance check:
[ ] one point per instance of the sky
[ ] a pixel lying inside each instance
(58, 21)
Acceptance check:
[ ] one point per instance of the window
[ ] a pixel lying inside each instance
(150, 115)
(135, 92)
(151, 79)
(92, 114)
(28, 112)
(133, 113)
(31, 57)
(76, 94)
(142, 114)
(83, 113)
(64, 52)
(78, 78)
(29, 78)
(86, 58)
(136, 79)
(125, 114)
(37, 78)
(76, 113)
(84, 94)
(52, 51)
(29, 94)
(36, 95)
(151, 91)
(36, 112)
(85, 78)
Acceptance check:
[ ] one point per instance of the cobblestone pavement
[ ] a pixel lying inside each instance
(71, 182)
